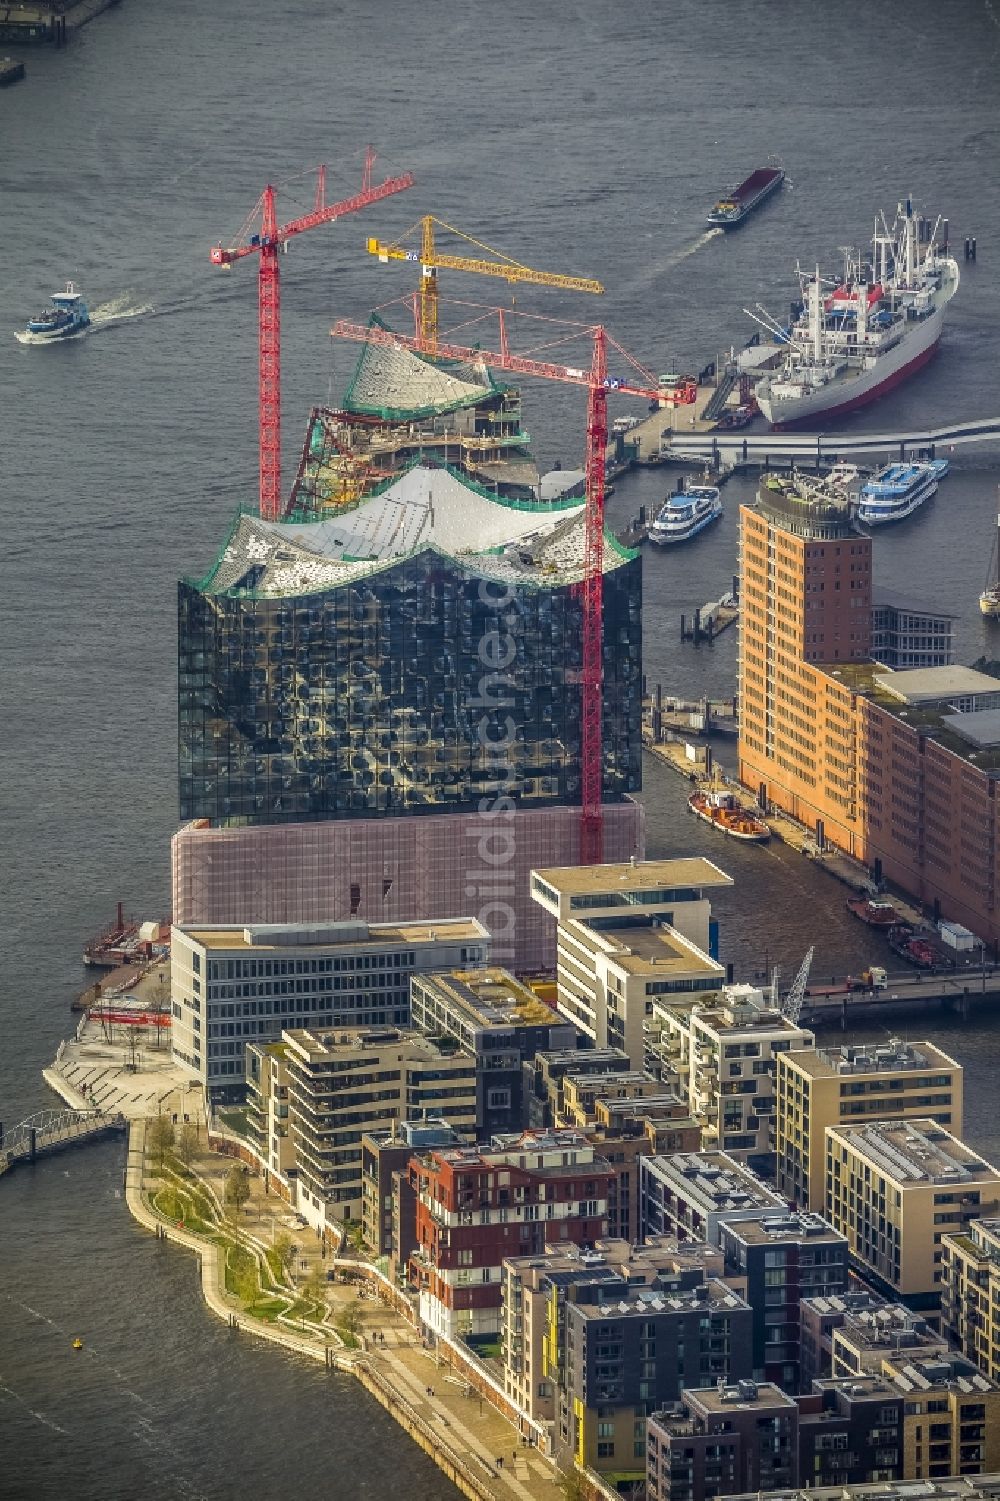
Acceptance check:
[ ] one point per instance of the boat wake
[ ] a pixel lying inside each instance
(654, 272)
(118, 310)
(699, 244)
(39, 1416)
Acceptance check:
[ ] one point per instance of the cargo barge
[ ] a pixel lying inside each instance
(750, 194)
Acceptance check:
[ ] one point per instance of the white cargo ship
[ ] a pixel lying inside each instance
(857, 337)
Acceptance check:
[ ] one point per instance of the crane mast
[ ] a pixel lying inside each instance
(265, 243)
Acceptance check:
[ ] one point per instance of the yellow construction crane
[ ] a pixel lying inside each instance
(431, 260)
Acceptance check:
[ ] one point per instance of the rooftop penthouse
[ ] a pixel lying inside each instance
(477, 1000)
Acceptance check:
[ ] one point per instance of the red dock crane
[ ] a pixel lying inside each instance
(598, 383)
(266, 242)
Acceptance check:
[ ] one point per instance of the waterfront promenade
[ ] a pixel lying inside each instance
(448, 1419)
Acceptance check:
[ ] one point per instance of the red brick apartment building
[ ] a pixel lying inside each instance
(476, 1206)
(898, 768)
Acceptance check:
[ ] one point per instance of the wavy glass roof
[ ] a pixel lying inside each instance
(423, 509)
(396, 384)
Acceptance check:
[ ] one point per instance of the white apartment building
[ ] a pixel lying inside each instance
(724, 1052)
(230, 986)
(626, 934)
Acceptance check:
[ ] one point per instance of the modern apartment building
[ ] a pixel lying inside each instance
(852, 1333)
(951, 1416)
(233, 986)
(344, 1084)
(821, 1087)
(631, 1350)
(359, 719)
(501, 1023)
(895, 1189)
(545, 1073)
(723, 1439)
(970, 1292)
(536, 1290)
(625, 1131)
(626, 934)
(385, 1154)
(896, 768)
(783, 1259)
(689, 1195)
(725, 1050)
(851, 1432)
(477, 1206)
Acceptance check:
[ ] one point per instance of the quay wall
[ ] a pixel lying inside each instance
(388, 1396)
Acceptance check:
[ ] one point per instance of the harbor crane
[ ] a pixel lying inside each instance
(431, 260)
(597, 383)
(791, 1006)
(265, 241)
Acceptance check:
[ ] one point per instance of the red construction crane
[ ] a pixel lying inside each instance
(598, 384)
(266, 242)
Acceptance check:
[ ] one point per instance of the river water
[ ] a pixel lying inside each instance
(578, 137)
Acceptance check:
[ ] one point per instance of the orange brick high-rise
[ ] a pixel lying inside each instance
(899, 768)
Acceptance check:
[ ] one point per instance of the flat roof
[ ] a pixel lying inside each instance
(491, 997)
(644, 875)
(337, 1042)
(790, 1227)
(917, 1151)
(324, 936)
(714, 1180)
(877, 1059)
(641, 1299)
(981, 727)
(918, 685)
(725, 1398)
(660, 952)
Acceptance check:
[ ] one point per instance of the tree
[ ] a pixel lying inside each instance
(187, 1143)
(315, 1288)
(245, 1279)
(161, 1137)
(284, 1249)
(350, 1319)
(573, 1486)
(237, 1191)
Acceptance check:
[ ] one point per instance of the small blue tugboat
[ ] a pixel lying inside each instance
(66, 317)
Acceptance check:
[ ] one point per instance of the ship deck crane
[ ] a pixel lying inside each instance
(431, 260)
(598, 383)
(265, 242)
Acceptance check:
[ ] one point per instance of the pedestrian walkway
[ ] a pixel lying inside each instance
(420, 1390)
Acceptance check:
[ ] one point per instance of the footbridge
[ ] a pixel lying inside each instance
(749, 448)
(50, 1131)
